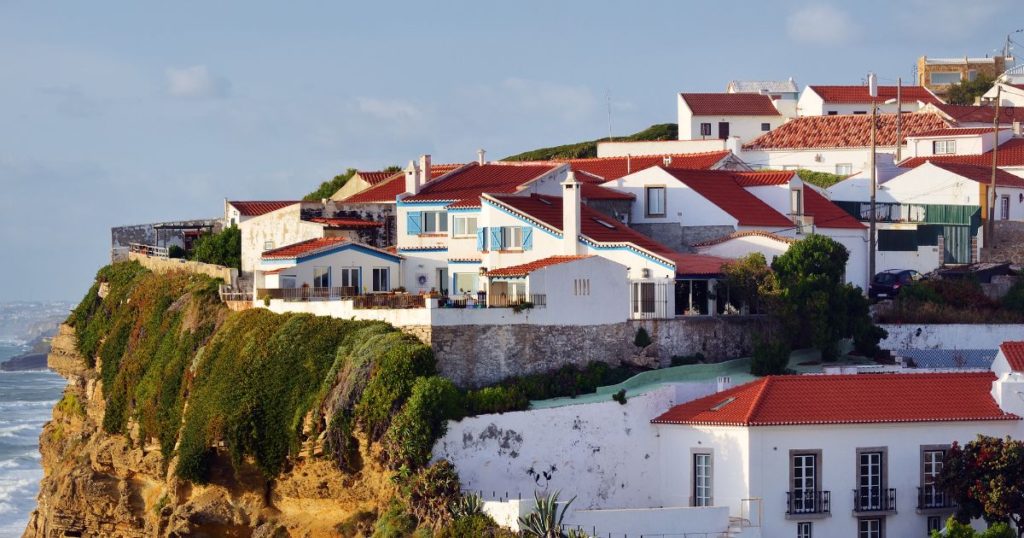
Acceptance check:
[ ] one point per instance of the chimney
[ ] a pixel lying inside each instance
(424, 170)
(412, 178)
(571, 225)
(1016, 128)
(480, 156)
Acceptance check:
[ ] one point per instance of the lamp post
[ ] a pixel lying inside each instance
(873, 91)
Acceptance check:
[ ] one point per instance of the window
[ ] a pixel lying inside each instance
(844, 169)
(691, 297)
(832, 112)
(350, 278)
(581, 286)
(897, 240)
(860, 112)
(288, 281)
(655, 201)
(931, 467)
(944, 147)
(869, 528)
(464, 226)
(702, 479)
(796, 201)
(466, 282)
(268, 245)
(321, 277)
(766, 127)
(972, 74)
(435, 222)
(944, 78)
(381, 279)
(869, 480)
(511, 237)
(934, 524)
(705, 129)
(803, 529)
(1004, 207)
(805, 497)
(723, 130)
(643, 297)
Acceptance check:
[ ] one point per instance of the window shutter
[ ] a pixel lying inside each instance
(496, 238)
(414, 223)
(481, 239)
(527, 237)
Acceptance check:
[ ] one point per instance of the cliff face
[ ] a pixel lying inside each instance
(98, 484)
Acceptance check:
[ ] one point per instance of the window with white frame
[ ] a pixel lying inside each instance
(944, 147)
(945, 78)
(934, 524)
(465, 226)
(511, 237)
(705, 129)
(869, 528)
(581, 286)
(381, 279)
(844, 169)
(322, 277)
(804, 529)
(932, 496)
(268, 245)
(435, 222)
(349, 277)
(466, 282)
(517, 290)
(288, 281)
(655, 201)
(796, 201)
(702, 479)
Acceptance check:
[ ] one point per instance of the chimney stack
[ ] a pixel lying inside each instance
(571, 222)
(424, 170)
(412, 178)
(480, 156)
(1016, 129)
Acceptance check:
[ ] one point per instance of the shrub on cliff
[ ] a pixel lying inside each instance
(222, 248)
(423, 419)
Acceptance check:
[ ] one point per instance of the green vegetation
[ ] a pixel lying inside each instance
(685, 360)
(514, 394)
(965, 92)
(331, 186)
(955, 529)
(581, 150)
(770, 357)
(985, 477)
(953, 301)
(620, 396)
(71, 406)
(820, 179)
(546, 520)
(222, 248)
(642, 339)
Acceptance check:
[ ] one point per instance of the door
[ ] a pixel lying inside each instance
(702, 480)
(805, 478)
(442, 280)
(869, 492)
(350, 280)
(957, 244)
(1004, 207)
(723, 130)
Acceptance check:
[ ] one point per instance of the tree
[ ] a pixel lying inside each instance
(222, 248)
(986, 479)
(331, 186)
(749, 279)
(955, 529)
(965, 92)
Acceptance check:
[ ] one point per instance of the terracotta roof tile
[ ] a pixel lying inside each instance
(304, 248)
(1014, 352)
(387, 190)
(1011, 153)
(722, 189)
(846, 399)
(261, 207)
(764, 179)
(346, 224)
(730, 104)
(859, 94)
(981, 114)
(376, 176)
(589, 191)
(527, 268)
(982, 174)
(849, 131)
(698, 264)
(826, 214)
(609, 168)
(953, 131)
(476, 179)
(746, 233)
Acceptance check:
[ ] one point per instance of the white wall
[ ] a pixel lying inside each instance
(659, 147)
(608, 297)
(951, 336)
(1009, 96)
(741, 246)
(280, 228)
(811, 104)
(347, 258)
(683, 205)
(856, 242)
(817, 159)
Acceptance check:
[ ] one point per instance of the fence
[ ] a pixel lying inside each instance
(649, 300)
(148, 250)
(387, 300)
(307, 294)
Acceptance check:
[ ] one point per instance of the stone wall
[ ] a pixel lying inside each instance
(681, 238)
(167, 265)
(382, 237)
(1009, 243)
(475, 355)
(150, 234)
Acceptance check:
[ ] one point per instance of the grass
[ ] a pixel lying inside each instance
(587, 149)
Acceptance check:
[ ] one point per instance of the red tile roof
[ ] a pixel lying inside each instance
(953, 131)
(722, 189)
(764, 179)
(609, 168)
(746, 233)
(386, 191)
(849, 131)
(846, 399)
(1014, 353)
(730, 104)
(260, 207)
(375, 177)
(983, 174)
(527, 268)
(346, 224)
(304, 248)
(859, 94)
(826, 214)
(589, 191)
(981, 114)
(476, 179)
(698, 264)
(1011, 153)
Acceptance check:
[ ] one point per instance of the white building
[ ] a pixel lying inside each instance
(784, 93)
(1010, 95)
(955, 141)
(744, 116)
(822, 100)
(327, 267)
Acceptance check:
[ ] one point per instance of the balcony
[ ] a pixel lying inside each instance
(805, 504)
(307, 294)
(930, 499)
(874, 501)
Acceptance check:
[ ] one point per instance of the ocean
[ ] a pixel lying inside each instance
(26, 401)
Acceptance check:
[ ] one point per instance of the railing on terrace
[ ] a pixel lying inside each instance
(148, 250)
(874, 500)
(808, 502)
(387, 300)
(931, 498)
(307, 294)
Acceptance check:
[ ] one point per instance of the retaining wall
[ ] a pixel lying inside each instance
(168, 265)
(951, 336)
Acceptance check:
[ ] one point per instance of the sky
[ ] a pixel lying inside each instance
(116, 113)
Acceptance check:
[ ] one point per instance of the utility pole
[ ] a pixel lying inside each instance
(899, 119)
(873, 91)
(990, 240)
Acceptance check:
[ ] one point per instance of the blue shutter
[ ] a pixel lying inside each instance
(413, 227)
(527, 237)
(481, 239)
(496, 238)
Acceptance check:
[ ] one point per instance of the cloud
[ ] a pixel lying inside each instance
(951, 19)
(196, 82)
(820, 24)
(538, 98)
(389, 109)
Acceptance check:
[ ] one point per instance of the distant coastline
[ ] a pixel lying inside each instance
(27, 361)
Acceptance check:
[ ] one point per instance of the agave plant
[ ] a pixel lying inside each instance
(546, 519)
(467, 505)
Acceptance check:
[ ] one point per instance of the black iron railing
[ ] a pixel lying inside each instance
(930, 497)
(808, 501)
(307, 294)
(874, 499)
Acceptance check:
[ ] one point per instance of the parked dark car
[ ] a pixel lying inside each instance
(887, 284)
